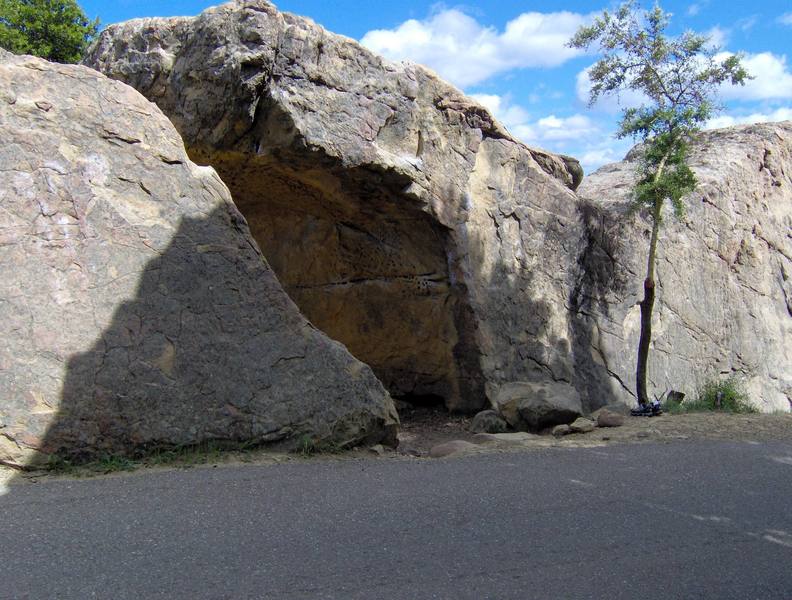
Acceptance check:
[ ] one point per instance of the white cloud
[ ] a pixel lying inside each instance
(550, 128)
(511, 115)
(610, 103)
(577, 134)
(718, 36)
(772, 78)
(785, 19)
(779, 114)
(696, 8)
(466, 52)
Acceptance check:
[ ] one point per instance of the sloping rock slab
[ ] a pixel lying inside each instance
(137, 310)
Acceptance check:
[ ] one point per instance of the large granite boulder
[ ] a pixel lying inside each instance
(410, 225)
(398, 214)
(137, 309)
(724, 273)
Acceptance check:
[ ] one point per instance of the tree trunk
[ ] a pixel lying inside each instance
(647, 304)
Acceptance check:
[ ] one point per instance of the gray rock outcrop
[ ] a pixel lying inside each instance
(137, 310)
(401, 217)
(408, 224)
(724, 273)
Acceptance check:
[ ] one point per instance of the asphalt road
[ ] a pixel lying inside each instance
(688, 520)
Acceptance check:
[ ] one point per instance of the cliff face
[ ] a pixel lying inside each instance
(724, 272)
(408, 224)
(137, 310)
(401, 217)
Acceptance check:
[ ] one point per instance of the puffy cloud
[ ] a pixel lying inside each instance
(772, 78)
(466, 52)
(718, 36)
(779, 114)
(577, 134)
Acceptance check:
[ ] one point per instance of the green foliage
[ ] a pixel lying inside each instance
(725, 395)
(678, 76)
(57, 30)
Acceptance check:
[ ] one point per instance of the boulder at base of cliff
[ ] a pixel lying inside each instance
(531, 406)
(137, 309)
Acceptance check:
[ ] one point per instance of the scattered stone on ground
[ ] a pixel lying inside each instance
(606, 418)
(582, 425)
(614, 407)
(532, 406)
(517, 437)
(433, 428)
(562, 430)
(488, 421)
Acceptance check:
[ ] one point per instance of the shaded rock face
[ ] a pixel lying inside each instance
(137, 309)
(724, 301)
(400, 216)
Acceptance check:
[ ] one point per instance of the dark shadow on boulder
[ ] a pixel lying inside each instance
(211, 348)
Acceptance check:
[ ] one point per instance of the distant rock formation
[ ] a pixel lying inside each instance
(724, 273)
(137, 310)
(401, 217)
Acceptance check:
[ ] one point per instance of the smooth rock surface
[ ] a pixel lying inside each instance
(450, 448)
(606, 418)
(530, 406)
(724, 273)
(488, 421)
(582, 425)
(401, 217)
(562, 430)
(137, 310)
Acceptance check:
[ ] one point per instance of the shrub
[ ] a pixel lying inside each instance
(57, 30)
(724, 395)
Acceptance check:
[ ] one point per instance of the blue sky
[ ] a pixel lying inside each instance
(510, 55)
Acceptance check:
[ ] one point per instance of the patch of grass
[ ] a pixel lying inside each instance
(724, 395)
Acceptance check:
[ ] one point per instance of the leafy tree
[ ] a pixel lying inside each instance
(57, 30)
(679, 78)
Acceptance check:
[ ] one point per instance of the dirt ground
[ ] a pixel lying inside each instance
(424, 428)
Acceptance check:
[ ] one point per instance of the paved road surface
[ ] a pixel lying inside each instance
(688, 520)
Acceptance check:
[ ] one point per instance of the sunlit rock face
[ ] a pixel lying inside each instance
(408, 224)
(724, 272)
(398, 214)
(137, 309)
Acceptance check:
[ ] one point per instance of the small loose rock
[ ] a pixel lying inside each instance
(582, 425)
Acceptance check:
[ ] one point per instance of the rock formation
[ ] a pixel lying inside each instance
(724, 271)
(398, 214)
(457, 262)
(137, 310)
